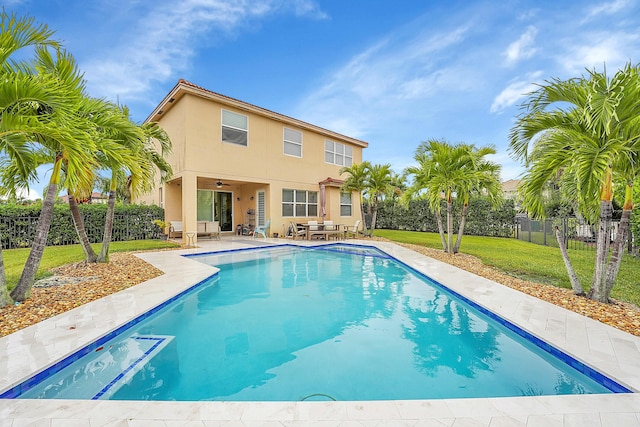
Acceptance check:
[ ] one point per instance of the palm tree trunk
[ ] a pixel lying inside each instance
(78, 222)
(441, 231)
(5, 298)
(449, 226)
(573, 277)
(23, 289)
(374, 216)
(364, 220)
(463, 219)
(598, 284)
(108, 226)
(618, 245)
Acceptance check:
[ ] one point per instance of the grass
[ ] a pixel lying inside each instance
(529, 261)
(536, 263)
(55, 256)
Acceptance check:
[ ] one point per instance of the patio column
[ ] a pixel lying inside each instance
(189, 207)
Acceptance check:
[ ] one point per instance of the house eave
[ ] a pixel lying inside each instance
(183, 87)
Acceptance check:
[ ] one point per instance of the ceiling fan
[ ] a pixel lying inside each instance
(219, 184)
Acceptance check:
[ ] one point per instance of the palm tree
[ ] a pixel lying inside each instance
(396, 189)
(482, 177)
(73, 148)
(587, 129)
(378, 182)
(148, 160)
(449, 172)
(435, 178)
(21, 97)
(357, 182)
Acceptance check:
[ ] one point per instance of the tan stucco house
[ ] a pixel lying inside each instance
(241, 165)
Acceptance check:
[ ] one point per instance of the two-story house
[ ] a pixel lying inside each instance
(241, 164)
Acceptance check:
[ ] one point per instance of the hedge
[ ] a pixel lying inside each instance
(18, 224)
(482, 219)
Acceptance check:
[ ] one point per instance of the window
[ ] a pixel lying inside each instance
(338, 154)
(204, 207)
(345, 204)
(234, 128)
(292, 142)
(261, 207)
(299, 203)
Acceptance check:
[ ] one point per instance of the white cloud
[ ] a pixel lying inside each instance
(523, 48)
(379, 81)
(307, 8)
(611, 48)
(160, 44)
(509, 169)
(608, 8)
(24, 194)
(514, 92)
(528, 14)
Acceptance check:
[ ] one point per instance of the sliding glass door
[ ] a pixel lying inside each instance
(216, 206)
(223, 207)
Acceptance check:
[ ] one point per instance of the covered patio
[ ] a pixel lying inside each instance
(192, 202)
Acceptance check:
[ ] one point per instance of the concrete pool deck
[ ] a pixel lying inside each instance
(612, 352)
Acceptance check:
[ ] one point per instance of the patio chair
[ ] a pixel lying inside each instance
(330, 230)
(175, 229)
(296, 231)
(353, 230)
(262, 229)
(313, 227)
(213, 228)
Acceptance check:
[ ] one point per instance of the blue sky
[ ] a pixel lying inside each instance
(393, 73)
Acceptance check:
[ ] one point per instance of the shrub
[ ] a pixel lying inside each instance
(18, 224)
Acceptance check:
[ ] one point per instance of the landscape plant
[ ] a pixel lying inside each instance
(148, 161)
(379, 182)
(446, 173)
(30, 103)
(48, 119)
(356, 182)
(587, 131)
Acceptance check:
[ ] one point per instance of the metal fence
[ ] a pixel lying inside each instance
(21, 231)
(579, 234)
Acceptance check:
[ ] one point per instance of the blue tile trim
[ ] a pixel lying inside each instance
(121, 375)
(226, 251)
(29, 383)
(336, 248)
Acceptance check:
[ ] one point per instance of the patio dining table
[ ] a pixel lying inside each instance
(336, 230)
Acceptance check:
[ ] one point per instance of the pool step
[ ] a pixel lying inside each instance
(106, 370)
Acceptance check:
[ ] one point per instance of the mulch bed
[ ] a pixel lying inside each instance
(97, 280)
(125, 270)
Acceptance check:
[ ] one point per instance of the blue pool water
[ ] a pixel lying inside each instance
(335, 322)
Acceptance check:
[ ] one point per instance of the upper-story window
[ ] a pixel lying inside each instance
(292, 142)
(338, 154)
(235, 128)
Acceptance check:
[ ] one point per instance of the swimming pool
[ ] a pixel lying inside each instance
(361, 305)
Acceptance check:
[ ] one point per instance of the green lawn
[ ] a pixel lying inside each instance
(55, 256)
(533, 262)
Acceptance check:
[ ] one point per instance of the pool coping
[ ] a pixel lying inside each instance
(612, 352)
